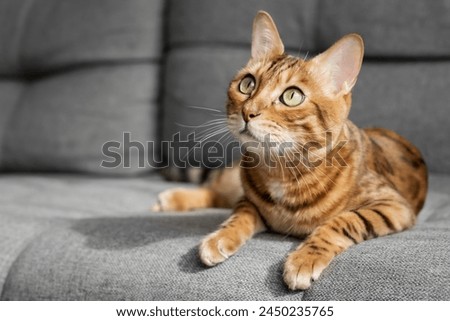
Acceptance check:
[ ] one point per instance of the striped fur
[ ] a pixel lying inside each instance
(375, 187)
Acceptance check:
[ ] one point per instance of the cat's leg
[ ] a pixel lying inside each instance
(185, 199)
(308, 261)
(223, 189)
(232, 234)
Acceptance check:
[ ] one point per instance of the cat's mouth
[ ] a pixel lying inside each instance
(247, 132)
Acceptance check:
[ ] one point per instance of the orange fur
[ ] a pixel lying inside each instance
(377, 186)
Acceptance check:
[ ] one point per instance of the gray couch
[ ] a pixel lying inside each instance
(77, 74)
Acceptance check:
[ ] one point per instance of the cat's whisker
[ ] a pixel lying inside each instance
(321, 158)
(191, 150)
(214, 122)
(206, 108)
(205, 124)
(281, 166)
(320, 171)
(227, 133)
(288, 232)
(199, 138)
(306, 56)
(194, 126)
(211, 128)
(295, 170)
(306, 166)
(300, 49)
(315, 176)
(207, 131)
(219, 131)
(278, 160)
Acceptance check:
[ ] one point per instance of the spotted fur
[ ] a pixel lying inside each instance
(355, 185)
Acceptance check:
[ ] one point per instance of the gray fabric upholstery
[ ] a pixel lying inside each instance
(10, 92)
(77, 113)
(39, 36)
(229, 22)
(31, 205)
(390, 28)
(16, 233)
(84, 238)
(84, 73)
(411, 98)
(144, 258)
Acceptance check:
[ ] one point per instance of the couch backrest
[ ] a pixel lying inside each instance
(403, 84)
(73, 76)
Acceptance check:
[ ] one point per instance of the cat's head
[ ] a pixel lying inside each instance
(290, 98)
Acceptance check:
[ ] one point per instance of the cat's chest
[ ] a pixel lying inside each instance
(282, 220)
(279, 202)
(284, 191)
(277, 190)
(281, 217)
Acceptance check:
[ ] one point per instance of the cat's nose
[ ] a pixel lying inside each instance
(247, 115)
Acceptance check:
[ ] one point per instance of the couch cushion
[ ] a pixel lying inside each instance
(144, 258)
(93, 78)
(104, 244)
(228, 23)
(437, 206)
(46, 35)
(10, 93)
(62, 122)
(421, 30)
(410, 98)
(58, 196)
(32, 204)
(390, 28)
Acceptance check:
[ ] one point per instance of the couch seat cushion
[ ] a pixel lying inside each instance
(84, 238)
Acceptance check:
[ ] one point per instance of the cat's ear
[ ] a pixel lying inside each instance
(266, 42)
(342, 63)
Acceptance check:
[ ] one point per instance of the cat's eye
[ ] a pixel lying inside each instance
(247, 84)
(292, 97)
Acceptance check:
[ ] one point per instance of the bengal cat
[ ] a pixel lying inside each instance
(376, 187)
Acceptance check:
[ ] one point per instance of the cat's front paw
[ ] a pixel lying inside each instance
(175, 199)
(216, 248)
(302, 267)
(164, 201)
(184, 199)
